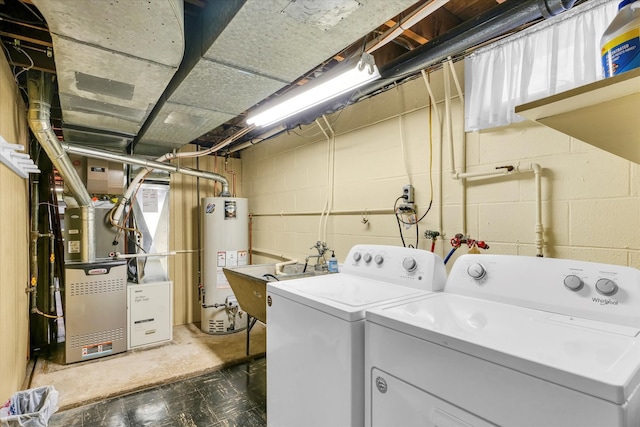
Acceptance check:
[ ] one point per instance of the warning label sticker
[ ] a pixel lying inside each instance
(74, 246)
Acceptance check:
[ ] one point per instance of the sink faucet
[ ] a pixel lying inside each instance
(322, 248)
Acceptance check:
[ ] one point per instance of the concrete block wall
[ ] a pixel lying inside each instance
(591, 198)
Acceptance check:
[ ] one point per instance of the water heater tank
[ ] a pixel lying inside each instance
(225, 238)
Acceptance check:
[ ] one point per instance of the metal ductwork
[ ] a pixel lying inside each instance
(243, 51)
(150, 83)
(150, 164)
(148, 78)
(113, 60)
(40, 92)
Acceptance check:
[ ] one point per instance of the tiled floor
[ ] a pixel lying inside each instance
(232, 396)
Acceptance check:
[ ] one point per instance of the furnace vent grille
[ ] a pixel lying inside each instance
(78, 341)
(96, 287)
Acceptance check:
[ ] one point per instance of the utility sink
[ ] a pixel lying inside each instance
(249, 284)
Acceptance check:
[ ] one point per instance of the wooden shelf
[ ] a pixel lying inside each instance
(605, 114)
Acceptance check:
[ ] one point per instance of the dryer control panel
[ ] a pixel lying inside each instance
(415, 268)
(601, 292)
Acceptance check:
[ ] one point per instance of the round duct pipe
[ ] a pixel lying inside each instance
(40, 92)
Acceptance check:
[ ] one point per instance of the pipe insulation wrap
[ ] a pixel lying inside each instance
(40, 92)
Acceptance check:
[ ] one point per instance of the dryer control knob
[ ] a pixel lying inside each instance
(378, 259)
(476, 271)
(606, 287)
(367, 258)
(409, 264)
(356, 256)
(573, 282)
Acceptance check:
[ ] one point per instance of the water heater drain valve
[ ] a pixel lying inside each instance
(231, 302)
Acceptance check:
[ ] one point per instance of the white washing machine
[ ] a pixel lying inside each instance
(512, 341)
(315, 332)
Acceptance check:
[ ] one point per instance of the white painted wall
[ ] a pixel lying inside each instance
(591, 199)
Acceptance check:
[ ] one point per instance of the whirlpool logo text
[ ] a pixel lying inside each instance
(604, 301)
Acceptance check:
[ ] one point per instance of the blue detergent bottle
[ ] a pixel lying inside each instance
(620, 42)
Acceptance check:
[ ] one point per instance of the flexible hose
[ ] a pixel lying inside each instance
(449, 254)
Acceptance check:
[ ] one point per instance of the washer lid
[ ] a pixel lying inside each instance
(342, 295)
(596, 358)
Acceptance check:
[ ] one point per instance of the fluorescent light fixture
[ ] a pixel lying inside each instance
(334, 83)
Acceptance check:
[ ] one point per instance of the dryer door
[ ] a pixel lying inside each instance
(397, 403)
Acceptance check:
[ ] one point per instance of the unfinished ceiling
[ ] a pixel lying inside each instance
(148, 77)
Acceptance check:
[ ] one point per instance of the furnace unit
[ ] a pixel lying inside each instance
(95, 309)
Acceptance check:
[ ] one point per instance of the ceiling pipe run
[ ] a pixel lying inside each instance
(40, 93)
(150, 164)
(482, 28)
(135, 182)
(496, 22)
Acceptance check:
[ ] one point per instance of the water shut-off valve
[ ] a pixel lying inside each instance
(460, 238)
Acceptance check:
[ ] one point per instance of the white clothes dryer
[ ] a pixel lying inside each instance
(315, 332)
(512, 341)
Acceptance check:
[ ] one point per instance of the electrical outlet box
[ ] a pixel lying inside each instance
(407, 193)
(406, 208)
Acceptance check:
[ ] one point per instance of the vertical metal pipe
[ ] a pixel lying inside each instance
(52, 286)
(199, 220)
(33, 248)
(40, 91)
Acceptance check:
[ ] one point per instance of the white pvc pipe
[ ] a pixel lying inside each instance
(159, 254)
(463, 154)
(537, 174)
(270, 254)
(282, 264)
(485, 174)
(326, 199)
(330, 176)
(533, 167)
(539, 230)
(434, 107)
(314, 213)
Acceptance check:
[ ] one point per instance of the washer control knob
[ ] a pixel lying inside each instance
(606, 287)
(356, 256)
(367, 258)
(378, 259)
(409, 264)
(476, 271)
(573, 282)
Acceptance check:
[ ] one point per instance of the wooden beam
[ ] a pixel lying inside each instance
(407, 33)
(26, 39)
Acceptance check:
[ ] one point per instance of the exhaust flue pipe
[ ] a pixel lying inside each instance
(40, 93)
(95, 153)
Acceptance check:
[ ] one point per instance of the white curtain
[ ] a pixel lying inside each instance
(551, 57)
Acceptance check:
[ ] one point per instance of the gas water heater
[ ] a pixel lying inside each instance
(225, 237)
